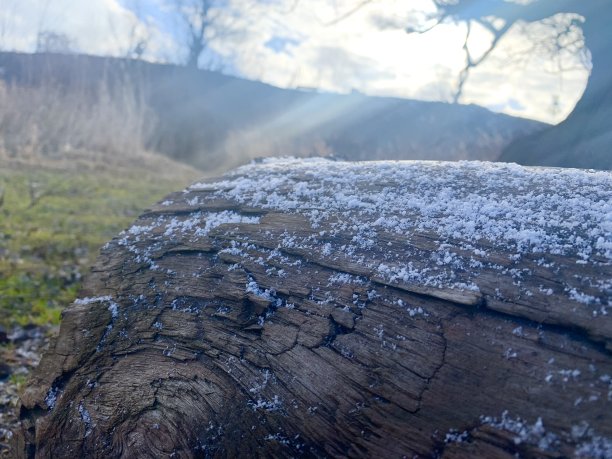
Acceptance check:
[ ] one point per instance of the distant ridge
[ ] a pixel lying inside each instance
(214, 121)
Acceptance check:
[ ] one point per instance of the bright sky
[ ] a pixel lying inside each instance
(295, 43)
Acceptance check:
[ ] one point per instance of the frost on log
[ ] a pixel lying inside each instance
(318, 308)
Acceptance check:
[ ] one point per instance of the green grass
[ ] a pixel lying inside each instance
(52, 224)
(19, 381)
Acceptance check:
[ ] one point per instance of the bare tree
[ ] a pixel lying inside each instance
(557, 29)
(567, 27)
(138, 40)
(559, 37)
(135, 43)
(206, 21)
(196, 19)
(49, 41)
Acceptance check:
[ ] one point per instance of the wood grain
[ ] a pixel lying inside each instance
(234, 346)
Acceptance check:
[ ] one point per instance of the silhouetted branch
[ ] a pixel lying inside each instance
(470, 62)
(349, 13)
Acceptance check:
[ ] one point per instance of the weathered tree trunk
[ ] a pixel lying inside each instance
(331, 309)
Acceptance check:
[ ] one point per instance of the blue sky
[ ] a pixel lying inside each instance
(292, 43)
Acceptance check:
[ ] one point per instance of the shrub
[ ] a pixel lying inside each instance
(49, 120)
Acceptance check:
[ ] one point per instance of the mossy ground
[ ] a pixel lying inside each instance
(53, 221)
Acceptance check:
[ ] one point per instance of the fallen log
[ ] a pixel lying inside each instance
(318, 308)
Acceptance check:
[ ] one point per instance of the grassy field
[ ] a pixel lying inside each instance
(55, 216)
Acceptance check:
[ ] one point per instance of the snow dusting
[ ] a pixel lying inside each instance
(86, 418)
(421, 224)
(524, 431)
(51, 398)
(87, 300)
(524, 211)
(112, 306)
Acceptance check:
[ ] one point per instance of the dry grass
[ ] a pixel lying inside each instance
(49, 121)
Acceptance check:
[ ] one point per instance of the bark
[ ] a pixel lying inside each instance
(183, 360)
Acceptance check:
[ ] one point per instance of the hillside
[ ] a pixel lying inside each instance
(215, 121)
(583, 140)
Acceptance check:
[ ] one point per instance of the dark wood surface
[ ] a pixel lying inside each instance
(255, 338)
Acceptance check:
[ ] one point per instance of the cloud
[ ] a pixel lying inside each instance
(351, 54)
(94, 27)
